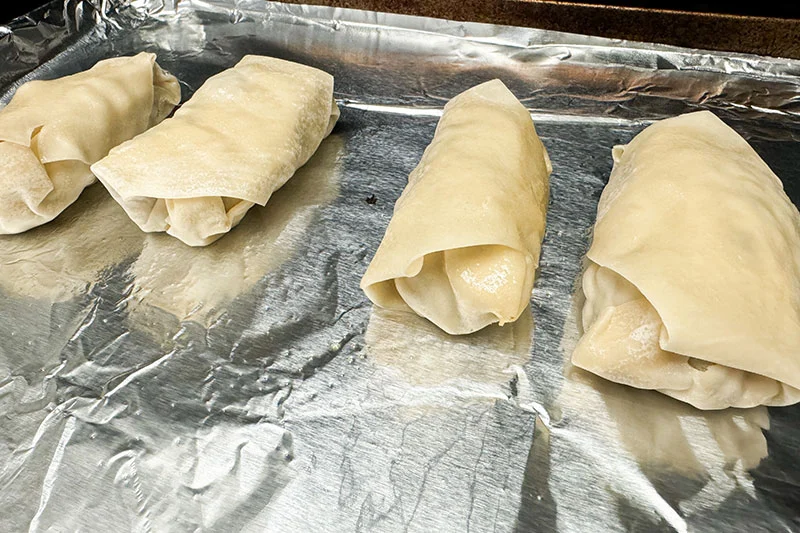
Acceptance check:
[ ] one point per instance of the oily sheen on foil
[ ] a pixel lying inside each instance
(250, 386)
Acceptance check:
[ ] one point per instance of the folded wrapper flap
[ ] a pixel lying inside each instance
(53, 130)
(239, 138)
(693, 283)
(464, 240)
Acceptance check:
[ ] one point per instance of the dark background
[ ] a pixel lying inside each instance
(16, 8)
(13, 8)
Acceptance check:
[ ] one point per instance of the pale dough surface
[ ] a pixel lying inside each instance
(239, 138)
(463, 243)
(198, 284)
(693, 282)
(53, 130)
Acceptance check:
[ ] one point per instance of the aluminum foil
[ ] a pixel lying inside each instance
(251, 386)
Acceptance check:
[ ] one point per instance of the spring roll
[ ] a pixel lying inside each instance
(53, 130)
(239, 138)
(463, 243)
(693, 279)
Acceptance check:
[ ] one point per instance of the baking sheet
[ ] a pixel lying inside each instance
(251, 386)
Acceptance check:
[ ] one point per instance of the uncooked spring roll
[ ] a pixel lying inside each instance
(693, 279)
(239, 138)
(463, 243)
(53, 130)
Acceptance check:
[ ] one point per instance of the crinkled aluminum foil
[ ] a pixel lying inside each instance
(250, 385)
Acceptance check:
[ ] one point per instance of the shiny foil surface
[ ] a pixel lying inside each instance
(250, 386)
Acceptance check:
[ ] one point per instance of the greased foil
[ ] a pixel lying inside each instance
(250, 385)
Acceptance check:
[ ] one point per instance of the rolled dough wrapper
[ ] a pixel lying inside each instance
(236, 141)
(463, 244)
(63, 259)
(53, 130)
(198, 284)
(693, 280)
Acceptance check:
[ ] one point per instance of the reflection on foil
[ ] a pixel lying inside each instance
(651, 459)
(65, 257)
(660, 457)
(198, 283)
(186, 35)
(666, 435)
(51, 279)
(410, 442)
(163, 483)
(250, 387)
(425, 356)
